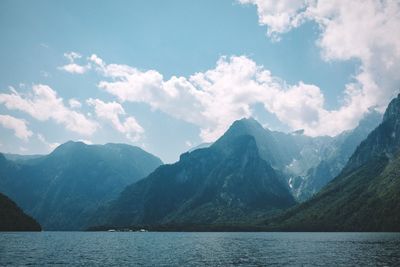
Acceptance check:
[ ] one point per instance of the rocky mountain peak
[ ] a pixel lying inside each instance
(383, 141)
(393, 110)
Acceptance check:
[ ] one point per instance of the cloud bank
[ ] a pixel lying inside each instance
(365, 31)
(43, 104)
(215, 98)
(111, 112)
(19, 126)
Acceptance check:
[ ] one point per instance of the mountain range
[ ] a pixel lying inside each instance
(228, 182)
(61, 190)
(249, 177)
(239, 180)
(336, 153)
(366, 194)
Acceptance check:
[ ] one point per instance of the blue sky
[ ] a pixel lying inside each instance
(174, 39)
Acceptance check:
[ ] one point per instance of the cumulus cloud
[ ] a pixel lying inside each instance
(192, 99)
(43, 104)
(279, 16)
(73, 103)
(72, 66)
(19, 126)
(365, 30)
(111, 112)
(362, 30)
(215, 98)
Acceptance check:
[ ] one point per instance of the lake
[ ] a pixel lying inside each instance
(198, 249)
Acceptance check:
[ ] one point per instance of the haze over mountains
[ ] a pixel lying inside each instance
(62, 189)
(366, 195)
(334, 156)
(245, 178)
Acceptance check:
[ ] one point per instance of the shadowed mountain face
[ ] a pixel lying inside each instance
(227, 183)
(271, 145)
(12, 218)
(62, 189)
(366, 195)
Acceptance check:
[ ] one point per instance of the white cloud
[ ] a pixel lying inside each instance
(280, 16)
(98, 61)
(365, 30)
(50, 145)
(73, 67)
(111, 112)
(43, 104)
(19, 126)
(71, 56)
(361, 30)
(88, 142)
(215, 98)
(74, 103)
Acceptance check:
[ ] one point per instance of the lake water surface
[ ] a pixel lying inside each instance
(199, 249)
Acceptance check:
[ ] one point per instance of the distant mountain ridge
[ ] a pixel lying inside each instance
(21, 158)
(191, 192)
(365, 196)
(62, 189)
(335, 158)
(308, 163)
(248, 174)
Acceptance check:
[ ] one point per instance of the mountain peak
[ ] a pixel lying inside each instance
(67, 147)
(226, 183)
(393, 109)
(245, 126)
(247, 122)
(384, 140)
(72, 144)
(268, 145)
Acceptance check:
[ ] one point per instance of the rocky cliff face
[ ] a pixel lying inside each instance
(385, 139)
(338, 153)
(365, 196)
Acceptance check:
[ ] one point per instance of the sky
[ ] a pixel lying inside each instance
(169, 75)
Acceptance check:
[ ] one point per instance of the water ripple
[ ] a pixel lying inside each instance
(199, 249)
